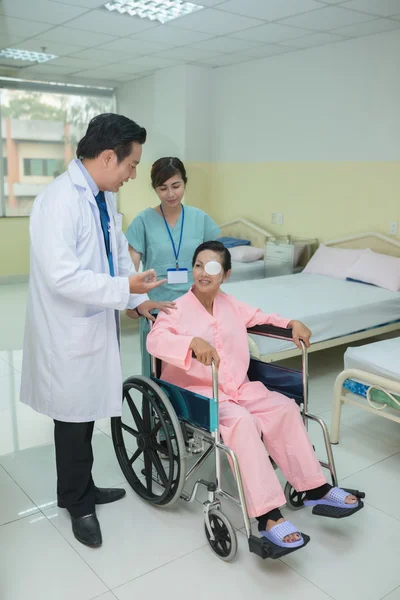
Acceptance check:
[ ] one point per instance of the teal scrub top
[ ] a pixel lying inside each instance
(148, 235)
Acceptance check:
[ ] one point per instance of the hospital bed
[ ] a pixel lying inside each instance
(187, 424)
(337, 311)
(370, 381)
(258, 237)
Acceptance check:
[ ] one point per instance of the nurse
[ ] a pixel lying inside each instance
(81, 274)
(166, 237)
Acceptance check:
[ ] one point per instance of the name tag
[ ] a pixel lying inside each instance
(177, 275)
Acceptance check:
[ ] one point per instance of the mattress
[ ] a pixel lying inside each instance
(245, 271)
(329, 307)
(381, 358)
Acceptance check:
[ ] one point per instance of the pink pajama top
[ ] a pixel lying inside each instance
(226, 330)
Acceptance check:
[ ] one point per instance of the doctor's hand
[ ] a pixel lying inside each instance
(204, 352)
(300, 332)
(144, 282)
(145, 308)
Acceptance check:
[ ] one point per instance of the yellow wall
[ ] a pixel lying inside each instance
(14, 246)
(318, 199)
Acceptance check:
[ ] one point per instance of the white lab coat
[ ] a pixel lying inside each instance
(71, 363)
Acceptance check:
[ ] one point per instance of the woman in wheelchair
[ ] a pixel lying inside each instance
(209, 325)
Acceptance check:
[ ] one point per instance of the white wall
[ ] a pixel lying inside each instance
(174, 106)
(336, 102)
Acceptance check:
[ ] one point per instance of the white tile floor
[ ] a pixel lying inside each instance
(147, 551)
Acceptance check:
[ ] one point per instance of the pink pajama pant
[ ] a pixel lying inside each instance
(285, 438)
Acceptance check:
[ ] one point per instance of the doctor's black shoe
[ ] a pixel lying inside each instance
(107, 495)
(87, 530)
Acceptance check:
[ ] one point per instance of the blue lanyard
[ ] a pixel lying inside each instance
(176, 253)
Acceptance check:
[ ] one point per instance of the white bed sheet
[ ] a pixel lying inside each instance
(381, 358)
(329, 307)
(245, 271)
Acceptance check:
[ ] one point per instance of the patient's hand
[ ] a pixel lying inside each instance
(300, 332)
(204, 352)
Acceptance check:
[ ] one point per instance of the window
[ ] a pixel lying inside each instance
(39, 134)
(43, 167)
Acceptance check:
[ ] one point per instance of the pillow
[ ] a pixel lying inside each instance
(378, 269)
(246, 254)
(333, 262)
(230, 242)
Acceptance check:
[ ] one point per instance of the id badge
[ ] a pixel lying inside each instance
(177, 275)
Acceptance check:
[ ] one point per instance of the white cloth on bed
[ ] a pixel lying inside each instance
(329, 307)
(381, 358)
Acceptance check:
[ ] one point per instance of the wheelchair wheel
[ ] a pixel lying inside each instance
(225, 543)
(294, 499)
(147, 413)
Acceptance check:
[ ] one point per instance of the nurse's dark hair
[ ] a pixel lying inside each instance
(217, 247)
(165, 168)
(110, 132)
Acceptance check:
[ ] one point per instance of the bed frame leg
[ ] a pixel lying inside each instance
(337, 408)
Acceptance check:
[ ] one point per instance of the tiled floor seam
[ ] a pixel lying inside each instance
(391, 592)
(159, 567)
(77, 553)
(297, 573)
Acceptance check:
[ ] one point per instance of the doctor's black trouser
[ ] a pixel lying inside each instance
(74, 460)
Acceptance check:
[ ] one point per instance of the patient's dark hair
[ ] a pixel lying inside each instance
(215, 247)
(165, 168)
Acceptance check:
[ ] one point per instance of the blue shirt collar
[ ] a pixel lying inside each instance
(91, 182)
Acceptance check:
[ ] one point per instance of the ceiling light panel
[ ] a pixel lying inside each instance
(162, 10)
(36, 57)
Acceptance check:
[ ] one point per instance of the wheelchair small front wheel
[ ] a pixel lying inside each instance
(224, 544)
(294, 499)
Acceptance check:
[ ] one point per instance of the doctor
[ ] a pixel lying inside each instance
(80, 275)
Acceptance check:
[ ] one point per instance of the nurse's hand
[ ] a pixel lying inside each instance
(300, 332)
(144, 282)
(149, 305)
(204, 352)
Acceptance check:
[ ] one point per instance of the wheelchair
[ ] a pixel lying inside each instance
(163, 426)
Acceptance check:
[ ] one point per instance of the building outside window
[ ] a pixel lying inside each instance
(39, 135)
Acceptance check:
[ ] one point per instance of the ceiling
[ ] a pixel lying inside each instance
(95, 47)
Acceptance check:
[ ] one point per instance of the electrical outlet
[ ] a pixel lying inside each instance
(393, 228)
(274, 219)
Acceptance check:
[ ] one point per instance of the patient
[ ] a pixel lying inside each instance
(211, 325)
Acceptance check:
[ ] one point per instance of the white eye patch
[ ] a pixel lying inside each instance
(213, 267)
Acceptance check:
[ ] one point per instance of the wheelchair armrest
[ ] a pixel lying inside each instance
(271, 331)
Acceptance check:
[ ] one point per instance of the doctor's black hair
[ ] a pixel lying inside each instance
(109, 131)
(215, 246)
(165, 168)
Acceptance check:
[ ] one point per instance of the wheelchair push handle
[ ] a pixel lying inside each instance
(214, 372)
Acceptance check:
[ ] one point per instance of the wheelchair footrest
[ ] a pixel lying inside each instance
(336, 512)
(266, 549)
